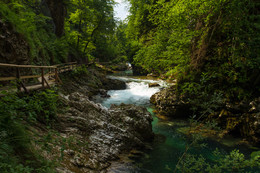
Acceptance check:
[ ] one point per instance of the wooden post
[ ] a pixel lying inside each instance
(42, 70)
(56, 75)
(18, 79)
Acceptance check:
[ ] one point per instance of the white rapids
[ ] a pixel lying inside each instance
(137, 92)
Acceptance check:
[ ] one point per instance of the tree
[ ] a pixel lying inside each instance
(87, 21)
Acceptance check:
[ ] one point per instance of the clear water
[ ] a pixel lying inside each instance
(169, 143)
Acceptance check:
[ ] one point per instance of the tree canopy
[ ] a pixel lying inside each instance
(194, 39)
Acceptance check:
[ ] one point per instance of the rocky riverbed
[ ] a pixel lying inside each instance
(87, 137)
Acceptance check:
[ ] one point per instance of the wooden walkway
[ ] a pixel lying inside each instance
(42, 76)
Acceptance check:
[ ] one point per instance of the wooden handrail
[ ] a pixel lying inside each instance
(25, 66)
(43, 78)
(64, 64)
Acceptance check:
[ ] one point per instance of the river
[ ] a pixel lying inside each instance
(170, 142)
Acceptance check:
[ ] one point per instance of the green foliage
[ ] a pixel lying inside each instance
(233, 162)
(42, 106)
(15, 144)
(80, 70)
(90, 26)
(203, 96)
(45, 48)
(187, 39)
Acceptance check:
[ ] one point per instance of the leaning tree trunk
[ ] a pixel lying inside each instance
(58, 13)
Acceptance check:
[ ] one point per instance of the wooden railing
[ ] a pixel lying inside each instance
(47, 76)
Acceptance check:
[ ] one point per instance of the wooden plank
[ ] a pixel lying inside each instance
(50, 74)
(34, 87)
(52, 81)
(7, 78)
(24, 66)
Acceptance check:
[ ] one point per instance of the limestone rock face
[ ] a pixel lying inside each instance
(13, 47)
(167, 103)
(104, 133)
(13, 50)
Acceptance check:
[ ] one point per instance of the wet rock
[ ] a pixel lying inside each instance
(168, 104)
(242, 119)
(101, 133)
(103, 93)
(153, 85)
(113, 84)
(90, 84)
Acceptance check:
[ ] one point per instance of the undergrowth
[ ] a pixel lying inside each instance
(16, 152)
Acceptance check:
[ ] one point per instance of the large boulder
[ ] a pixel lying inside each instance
(167, 103)
(113, 84)
(101, 134)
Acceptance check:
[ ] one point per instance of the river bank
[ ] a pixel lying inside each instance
(85, 136)
(236, 119)
(171, 138)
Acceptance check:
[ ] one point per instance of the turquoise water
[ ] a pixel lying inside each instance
(169, 143)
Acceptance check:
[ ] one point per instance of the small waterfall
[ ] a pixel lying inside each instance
(137, 92)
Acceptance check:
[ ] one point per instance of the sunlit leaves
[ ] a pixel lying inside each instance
(87, 21)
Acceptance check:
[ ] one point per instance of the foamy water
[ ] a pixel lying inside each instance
(137, 92)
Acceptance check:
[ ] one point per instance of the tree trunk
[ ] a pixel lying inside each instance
(58, 13)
